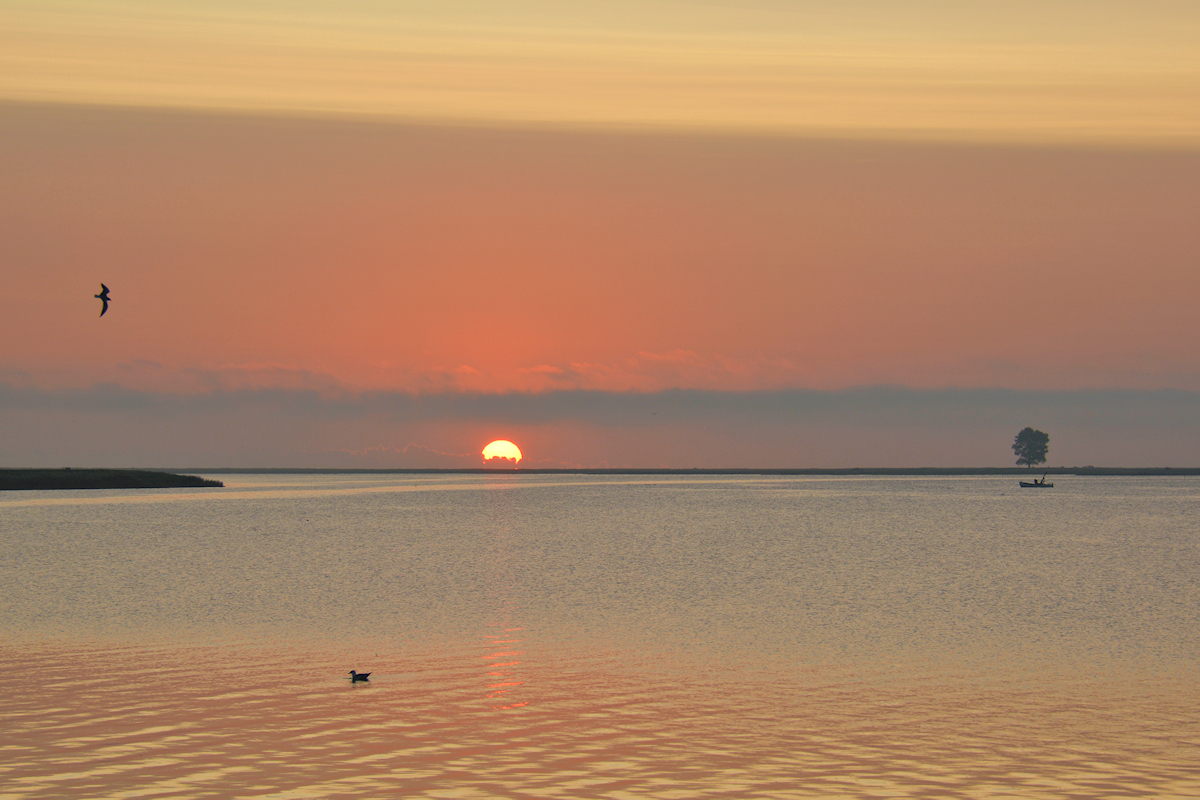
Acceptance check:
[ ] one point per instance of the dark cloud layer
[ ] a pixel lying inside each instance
(874, 426)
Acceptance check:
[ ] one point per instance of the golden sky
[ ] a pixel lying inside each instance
(1103, 71)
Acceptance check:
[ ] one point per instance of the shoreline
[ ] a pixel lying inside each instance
(67, 478)
(24, 480)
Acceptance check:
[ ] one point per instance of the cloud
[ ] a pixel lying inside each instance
(230, 378)
(867, 405)
(650, 372)
(410, 456)
(870, 426)
(541, 369)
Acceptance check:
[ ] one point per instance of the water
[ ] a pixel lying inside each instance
(581, 636)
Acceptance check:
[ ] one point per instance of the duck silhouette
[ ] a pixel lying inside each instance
(355, 677)
(103, 298)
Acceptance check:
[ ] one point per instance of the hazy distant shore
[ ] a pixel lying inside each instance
(33, 479)
(915, 471)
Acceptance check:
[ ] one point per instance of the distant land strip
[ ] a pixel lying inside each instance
(916, 471)
(34, 479)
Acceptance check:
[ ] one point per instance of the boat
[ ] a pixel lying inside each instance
(1036, 484)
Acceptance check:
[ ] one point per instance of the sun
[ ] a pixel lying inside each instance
(500, 451)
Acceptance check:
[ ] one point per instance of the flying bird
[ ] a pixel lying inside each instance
(103, 298)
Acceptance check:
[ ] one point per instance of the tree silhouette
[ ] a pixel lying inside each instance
(1031, 447)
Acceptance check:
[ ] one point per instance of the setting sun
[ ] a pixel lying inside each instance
(502, 448)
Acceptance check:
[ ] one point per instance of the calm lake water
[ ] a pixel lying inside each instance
(582, 636)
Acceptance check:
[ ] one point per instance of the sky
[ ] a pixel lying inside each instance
(653, 234)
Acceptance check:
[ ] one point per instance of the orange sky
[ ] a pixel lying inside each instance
(375, 256)
(630, 199)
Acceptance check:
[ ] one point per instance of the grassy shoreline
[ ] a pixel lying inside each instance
(23, 480)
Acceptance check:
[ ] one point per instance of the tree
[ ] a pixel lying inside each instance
(1031, 447)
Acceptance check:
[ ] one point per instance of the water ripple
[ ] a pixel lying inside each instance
(586, 727)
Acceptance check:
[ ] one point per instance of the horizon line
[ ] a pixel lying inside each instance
(831, 471)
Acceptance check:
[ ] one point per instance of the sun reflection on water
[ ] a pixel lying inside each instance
(502, 664)
(503, 642)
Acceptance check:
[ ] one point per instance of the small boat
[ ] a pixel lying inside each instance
(1036, 484)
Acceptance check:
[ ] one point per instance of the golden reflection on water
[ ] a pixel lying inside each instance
(502, 656)
(503, 662)
(221, 722)
(503, 642)
(685, 641)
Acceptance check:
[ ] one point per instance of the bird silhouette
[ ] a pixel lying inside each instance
(103, 298)
(355, 677)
